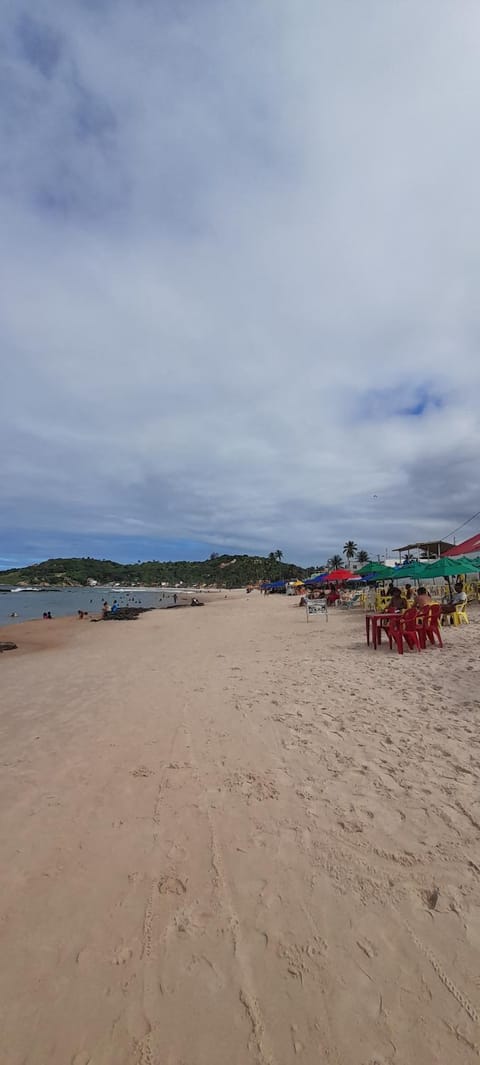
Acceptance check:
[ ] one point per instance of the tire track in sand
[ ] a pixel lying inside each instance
(444, 977)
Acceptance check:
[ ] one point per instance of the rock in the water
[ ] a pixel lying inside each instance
(126, 613)
(8, 647)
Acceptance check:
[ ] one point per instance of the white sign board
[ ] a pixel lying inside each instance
(316, 606)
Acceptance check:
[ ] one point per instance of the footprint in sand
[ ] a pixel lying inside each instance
(171, 885)
(121, 956)
(209, 975)
(177, 853)
(252, 786)
(189, 921)
(431, 896)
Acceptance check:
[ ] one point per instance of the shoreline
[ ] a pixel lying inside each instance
(37, 634)
(29, 606)
(42, 634)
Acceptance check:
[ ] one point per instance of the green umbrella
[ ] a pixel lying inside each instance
(449, 567)
(376, 569)
(467, 565)
(412, 570)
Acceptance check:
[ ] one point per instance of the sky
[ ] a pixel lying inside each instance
(239, 276)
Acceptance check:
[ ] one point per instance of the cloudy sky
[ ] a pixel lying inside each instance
(240, 267)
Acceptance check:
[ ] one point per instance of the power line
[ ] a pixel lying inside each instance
(467, 522)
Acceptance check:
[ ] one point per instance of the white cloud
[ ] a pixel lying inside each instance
(228, 227)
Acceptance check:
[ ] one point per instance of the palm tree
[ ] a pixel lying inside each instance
(334, 562)
(279, 555)
(350, 550)
(363, 557)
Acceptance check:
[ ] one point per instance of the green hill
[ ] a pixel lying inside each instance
(225, 571)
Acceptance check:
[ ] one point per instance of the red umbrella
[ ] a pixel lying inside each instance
(340, 575)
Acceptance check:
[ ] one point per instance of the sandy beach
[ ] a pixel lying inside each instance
(232, 837)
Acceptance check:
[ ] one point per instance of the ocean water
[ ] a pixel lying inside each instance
(65, 601)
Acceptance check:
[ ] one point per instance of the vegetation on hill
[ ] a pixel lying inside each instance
(225, 571)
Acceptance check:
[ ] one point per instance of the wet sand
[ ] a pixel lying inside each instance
(228, 836)
(39, 635)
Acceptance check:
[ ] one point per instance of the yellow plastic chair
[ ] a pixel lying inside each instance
(460, 616)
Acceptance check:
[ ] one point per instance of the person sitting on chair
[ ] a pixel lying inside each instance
(396, 604)
(423, 598)
(460, 597)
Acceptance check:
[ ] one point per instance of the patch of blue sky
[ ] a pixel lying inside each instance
(399, 401)
(93, 118)
(40, 44)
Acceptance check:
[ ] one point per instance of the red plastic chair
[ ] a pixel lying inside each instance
(404, 627)
(411, 630)
(394, 632)
(430, 627)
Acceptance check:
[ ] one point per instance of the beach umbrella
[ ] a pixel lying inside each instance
(466, 565)
(412, 570)
(448, 567)
(376, 570)
(340, 575)
(371, 567)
